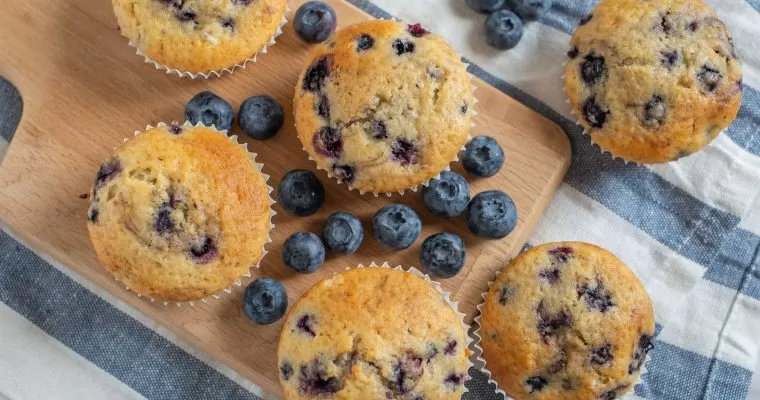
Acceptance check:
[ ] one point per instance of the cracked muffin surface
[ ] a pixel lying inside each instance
(566, 320)
(199, 36)
(373, 333)
(653, 81)
(383, 106)
(179, 213)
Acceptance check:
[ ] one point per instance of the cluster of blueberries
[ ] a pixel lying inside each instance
(504, 24)
(490, 214)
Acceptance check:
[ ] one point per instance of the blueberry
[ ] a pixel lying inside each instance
(593, 68)
(669, 58)
(344, 173)
(709, 77)
(265, 301)
(597, 298)
(261, 117)
(301, 193)
(504, 29)
(491, 214)
(328, 142)
(209, 109)
(343, 233)
(203, 250)
(536, 383)
(602, 355)
(483, 156)
(403, 46)
(404, 152)
(315, 76)
(485, 6)
(640, 353)
(594, 113)
(108, 170)
(442, 255)
(448, 195)
(396, 226)
(315, 21)
(303, 252)
(364, 42)
(655, 112)
(530, 10)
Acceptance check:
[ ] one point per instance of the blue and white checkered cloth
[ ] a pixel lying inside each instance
(690, 230)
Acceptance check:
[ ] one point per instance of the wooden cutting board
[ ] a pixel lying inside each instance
(84, 90)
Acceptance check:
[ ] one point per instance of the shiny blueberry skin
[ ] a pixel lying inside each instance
(209, 109)
(491, 214)
(485, 6)
(301, 192)
(315, 21)
(483, 156)
(448, 195)
(343, 233)
(396, 226)
(442, 255)
(530, 10)
(265, 301)
(303, 252)
(504, 29)
(261, 117)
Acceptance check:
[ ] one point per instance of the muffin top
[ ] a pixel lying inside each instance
(653, 81)
(179, 213)
(199, 35)
(373, 333)
(566, 320)
(384, 106)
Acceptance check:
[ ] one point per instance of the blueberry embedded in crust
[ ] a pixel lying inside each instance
(535, 384)
(709, 78)
(344, 173)
(562, 253)
(364, 42)
(404, 152)
(644, 346)
(314, 78)
(306, 324)
(203, 250)
(594, 113)
(403, 46)
(670, 58)
(550, 323)
(602, 355)
(327, 141)
(506, 294)
(378, 130)
(416, 30)
(162, 219)
(597, 298)
(286, 370)
(593, 68)
(108, 170)
(655, 112)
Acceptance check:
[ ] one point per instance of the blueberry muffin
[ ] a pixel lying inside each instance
(566, 320)
(373, 333)
(179, 213)
(200, 36)
(384, 106)
(653, 81)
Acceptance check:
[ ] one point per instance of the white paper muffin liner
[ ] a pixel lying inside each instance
(272, 213)
(447, 297)
(415, 188)
(480, 361)
(217, 73)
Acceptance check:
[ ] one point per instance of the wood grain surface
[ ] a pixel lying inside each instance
(84, 90)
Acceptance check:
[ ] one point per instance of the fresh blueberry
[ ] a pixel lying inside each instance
(491, 214)
(530, 10)
(485, 6)
(442, 255)
(483, 156)
(301, 192)
(303, 252)
(343, 233)
(265, 301)
(315, 21)
(504, 29)
(261, 117)
(396, 226)
(209, 109)
(448, 195)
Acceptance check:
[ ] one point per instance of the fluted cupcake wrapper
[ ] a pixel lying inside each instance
(481, 364)
(259, 167)
(218, 73)
(447, 297)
